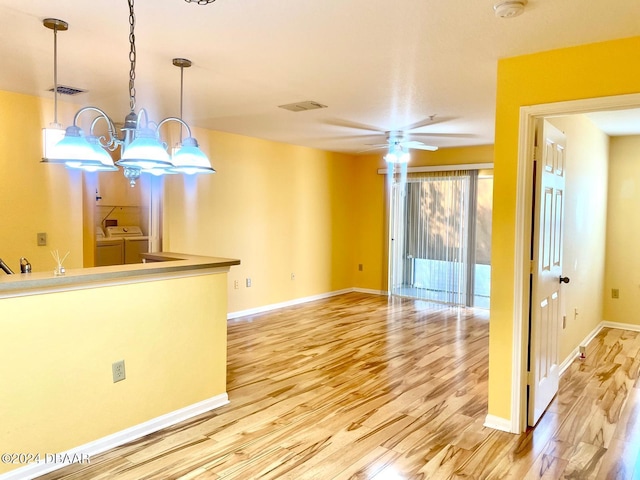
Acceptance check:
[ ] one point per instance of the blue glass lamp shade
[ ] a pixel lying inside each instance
(145, 152)
(190, 159)
(106, 162)
(75, 151)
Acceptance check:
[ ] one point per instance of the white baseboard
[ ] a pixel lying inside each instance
(298, 301)
(621, 326)
(498, 423)
(505, 424)
(119, 438)
(587, 340)
(569, 360)
(576, 351)
(372, 292)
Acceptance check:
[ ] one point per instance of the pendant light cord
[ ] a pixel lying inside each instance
(132, 57)
(55, 75)
(181, 95)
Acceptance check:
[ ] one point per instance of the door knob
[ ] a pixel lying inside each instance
(564, 279)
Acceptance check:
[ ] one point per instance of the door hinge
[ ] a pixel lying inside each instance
(529, 378)
(532, 267)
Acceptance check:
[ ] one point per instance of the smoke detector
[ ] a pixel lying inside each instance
(509, 8)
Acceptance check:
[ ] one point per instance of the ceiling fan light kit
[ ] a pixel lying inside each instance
(397, 157)
(509, 8)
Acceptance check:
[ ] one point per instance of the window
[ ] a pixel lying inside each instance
(441, 237)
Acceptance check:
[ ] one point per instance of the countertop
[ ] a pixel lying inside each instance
(161, 264)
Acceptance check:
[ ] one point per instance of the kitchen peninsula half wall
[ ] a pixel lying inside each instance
(62, 334)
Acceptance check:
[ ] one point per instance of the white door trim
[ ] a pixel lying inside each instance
(524, 195)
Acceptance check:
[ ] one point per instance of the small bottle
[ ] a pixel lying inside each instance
(25, 266)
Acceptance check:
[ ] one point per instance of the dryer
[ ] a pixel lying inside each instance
(135, 242)
(109, 251)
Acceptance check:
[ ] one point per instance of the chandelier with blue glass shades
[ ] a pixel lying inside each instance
(140, 147)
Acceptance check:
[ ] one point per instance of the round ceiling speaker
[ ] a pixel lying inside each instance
(509, 8)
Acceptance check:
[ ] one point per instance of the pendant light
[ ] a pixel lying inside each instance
(56, 141)
(54, 133)
(189, 158)
(140, 147)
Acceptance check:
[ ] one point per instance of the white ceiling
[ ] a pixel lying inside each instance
(617, 123)
(378, 65)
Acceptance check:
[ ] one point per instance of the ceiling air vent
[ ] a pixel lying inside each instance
(302, 106)
(64, 90)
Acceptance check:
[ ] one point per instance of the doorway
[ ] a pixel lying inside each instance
(109, 201)
(525, 187)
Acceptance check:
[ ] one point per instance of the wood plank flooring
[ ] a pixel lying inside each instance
(364, 387)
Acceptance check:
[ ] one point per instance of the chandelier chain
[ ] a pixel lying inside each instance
(132, 57)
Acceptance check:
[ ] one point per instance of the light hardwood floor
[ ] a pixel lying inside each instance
(363, 387)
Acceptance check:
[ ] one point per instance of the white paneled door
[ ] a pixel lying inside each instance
(547, 277)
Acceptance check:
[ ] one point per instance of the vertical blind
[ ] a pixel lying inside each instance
(433, 237)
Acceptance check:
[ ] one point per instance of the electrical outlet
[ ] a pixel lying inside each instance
(42, 239)
(360, 267)
(293, 276)
(236, 284)
(248, 282)
(582, 349)
(564, 322)
(615, 293)
(117, 368)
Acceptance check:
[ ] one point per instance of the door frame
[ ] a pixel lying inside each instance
(523, 232)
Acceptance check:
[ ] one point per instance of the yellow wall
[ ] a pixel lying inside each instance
(56, 352)
(623, 232)
(585, 225)
(35, 197)
(452, 156)
(587, 71)
(281, 209)
(285, 209)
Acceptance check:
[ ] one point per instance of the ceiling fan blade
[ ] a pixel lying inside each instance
(362, 137)
(412, 144)
(422, 146)
(354, 125)
(378, 147)
(443, 134)
(431, 120)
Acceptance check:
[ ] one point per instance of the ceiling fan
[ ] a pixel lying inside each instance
(398, 147)
(399, 142)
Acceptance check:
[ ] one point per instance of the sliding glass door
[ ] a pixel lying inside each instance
(434, 238)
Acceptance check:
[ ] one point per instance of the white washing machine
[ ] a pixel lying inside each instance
(135, 242)
(109, 251)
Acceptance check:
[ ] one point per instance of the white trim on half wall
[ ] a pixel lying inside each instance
(103, 444)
